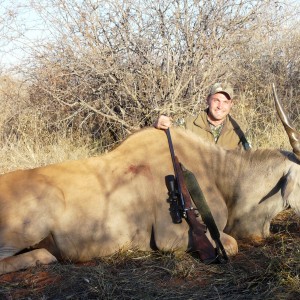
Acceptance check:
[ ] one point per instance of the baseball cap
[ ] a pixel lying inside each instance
(221, 88)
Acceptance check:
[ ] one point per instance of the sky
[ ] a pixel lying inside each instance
(20, 29)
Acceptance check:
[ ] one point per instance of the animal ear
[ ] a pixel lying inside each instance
(291, 189)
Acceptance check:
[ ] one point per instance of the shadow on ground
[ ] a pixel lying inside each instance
(267, 269)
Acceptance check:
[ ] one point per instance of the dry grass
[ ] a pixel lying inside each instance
(267, 269)
(26, 153)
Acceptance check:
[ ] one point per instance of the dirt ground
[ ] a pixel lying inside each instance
(267, 269)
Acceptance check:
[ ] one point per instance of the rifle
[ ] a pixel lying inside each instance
(201, 244)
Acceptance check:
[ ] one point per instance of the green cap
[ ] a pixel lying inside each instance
(221, 88)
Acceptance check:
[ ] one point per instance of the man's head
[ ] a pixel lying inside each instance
(219, 102)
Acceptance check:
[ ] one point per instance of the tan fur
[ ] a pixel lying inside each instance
(79, 210)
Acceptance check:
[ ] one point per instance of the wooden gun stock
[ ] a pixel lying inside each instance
(201, 244)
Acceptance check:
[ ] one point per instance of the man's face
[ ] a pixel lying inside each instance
(218, 107)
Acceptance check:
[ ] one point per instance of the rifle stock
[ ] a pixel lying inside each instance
(198, 198)
(201, 244)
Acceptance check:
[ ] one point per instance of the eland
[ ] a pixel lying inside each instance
(80, 210)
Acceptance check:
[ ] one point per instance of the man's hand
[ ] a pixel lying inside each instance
(163, 122)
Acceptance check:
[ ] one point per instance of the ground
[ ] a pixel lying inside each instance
(267, 269)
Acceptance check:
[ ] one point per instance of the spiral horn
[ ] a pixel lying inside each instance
(292, 133)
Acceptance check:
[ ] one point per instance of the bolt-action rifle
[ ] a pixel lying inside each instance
(181, 206)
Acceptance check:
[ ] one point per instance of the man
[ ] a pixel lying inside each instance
(214, 123)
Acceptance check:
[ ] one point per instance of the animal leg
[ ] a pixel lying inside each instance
(26, 260)
(229, 243)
